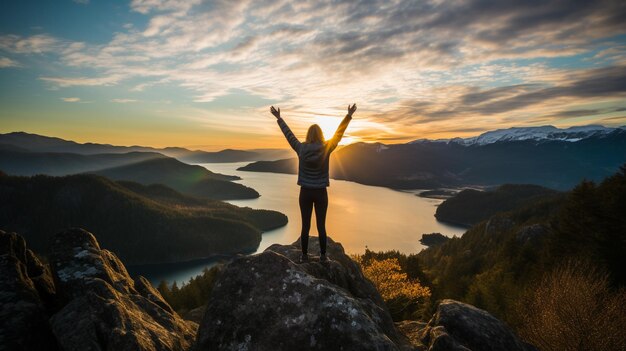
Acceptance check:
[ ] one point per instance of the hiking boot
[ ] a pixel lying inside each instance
(323, 258)
(304, 258)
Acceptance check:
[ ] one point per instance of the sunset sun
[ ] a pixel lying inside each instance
(328, 125)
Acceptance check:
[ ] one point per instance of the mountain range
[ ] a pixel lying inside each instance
(546, 156)
(536, 134)
(30, 154)
(40, 143)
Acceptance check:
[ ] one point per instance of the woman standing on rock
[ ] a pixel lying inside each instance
(313, 156)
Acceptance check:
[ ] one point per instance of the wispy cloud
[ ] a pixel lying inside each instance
(35, 44)
(606, 82)
(71, 99)
(6, 62)
(123, 101)
(82, 81)
(146, 6)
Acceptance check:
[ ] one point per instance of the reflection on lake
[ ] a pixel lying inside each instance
(358, 216)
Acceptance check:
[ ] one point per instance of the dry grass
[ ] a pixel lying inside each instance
(573, 308)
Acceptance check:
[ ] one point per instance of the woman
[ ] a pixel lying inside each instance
(313, 156)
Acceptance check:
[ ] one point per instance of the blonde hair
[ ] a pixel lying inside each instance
(315, 135)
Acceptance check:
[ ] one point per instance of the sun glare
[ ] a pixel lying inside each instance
(346, 140)
(328, 124)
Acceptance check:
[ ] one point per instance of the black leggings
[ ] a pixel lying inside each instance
(309, 197)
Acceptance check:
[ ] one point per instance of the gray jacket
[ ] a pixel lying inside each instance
(313, 157)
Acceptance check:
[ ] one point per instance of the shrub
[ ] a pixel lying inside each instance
(403, 296)
(573, 308)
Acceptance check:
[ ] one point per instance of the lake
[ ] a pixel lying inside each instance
(359, 216)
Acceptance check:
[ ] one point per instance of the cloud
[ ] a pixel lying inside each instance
(146, 6)
(617, 121)
(406, 62)
(238, 43)
(71, 99)
(35, 44)
(585, 85)
(82, 81)
(584, 112)
(6, 62)
(123, 101)
(595, 83)
(82, 2)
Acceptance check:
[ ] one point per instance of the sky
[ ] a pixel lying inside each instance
(203, 74)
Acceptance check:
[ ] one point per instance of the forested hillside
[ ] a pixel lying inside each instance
(143, 224)
(470, 206)
(552, 267)
(188, 179)
(555, 247)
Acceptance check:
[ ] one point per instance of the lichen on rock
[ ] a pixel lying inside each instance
(105, 308)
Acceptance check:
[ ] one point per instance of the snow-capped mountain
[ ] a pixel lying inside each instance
(543, 133)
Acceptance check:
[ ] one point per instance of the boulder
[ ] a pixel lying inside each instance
(23, 314)
(39, 274)
(459, 326)
(77, 260)
(270, 302)
(103, 307)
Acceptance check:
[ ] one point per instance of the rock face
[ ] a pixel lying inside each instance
(105, 308)
(87, 301)
(24, 286)
(270, 302)
(459, 326)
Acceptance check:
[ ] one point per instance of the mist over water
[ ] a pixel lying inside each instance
(358, 216)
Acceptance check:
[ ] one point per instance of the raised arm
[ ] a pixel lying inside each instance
(291, 138)
(334, 141)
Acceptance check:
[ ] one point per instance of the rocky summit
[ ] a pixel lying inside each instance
(270, 302)
(86, 301)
